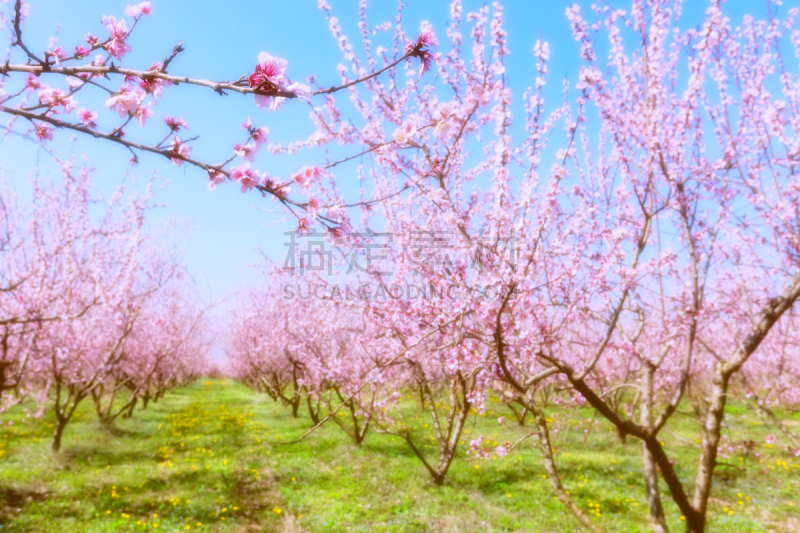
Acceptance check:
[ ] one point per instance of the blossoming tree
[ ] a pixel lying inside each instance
(79, 278)
(655, 254)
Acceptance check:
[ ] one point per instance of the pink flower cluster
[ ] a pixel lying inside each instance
(179, 148)
(422, 49)
(116, 46)
(308, 176)
(137, 10)
(270, 77)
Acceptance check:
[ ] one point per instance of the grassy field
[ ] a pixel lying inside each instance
(205, 458)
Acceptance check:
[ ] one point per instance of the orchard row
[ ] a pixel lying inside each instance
(654, 207)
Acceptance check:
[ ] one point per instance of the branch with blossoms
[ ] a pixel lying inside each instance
(140, 90)
(178, 152)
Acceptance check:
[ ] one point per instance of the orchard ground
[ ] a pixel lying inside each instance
(205, 458)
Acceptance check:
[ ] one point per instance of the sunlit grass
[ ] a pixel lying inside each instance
(208, 458)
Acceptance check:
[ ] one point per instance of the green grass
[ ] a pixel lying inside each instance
(205, 458)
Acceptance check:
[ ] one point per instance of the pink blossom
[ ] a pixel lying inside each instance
(501, 420)
(301, 90)
(268, 77)
(88, 118)
(269, 73)
(91, 39)
(44, 132)
(273, 103)
(81, 52)
(215, 177)
(151, 84)
(313, 205)
(427, 39)
(118, 29)
(770, 438)
(244, 176)
(443, 111)
(246, 152)
(421, 49)
(136, 10)
(304, 224)
(143, 113)
(477, 399)
(57, 97)
(338, 213)
(126, 101)
(442, 129)
(541, 49)
(474, 444)
(339, 234)
(307, 176)
(59, 54)
(180, 148)
(405, 133)
(267, 181)
(117, 47)
(33, 82)
(175, 124)
(77, 81)
(260, 136)
(278, 189)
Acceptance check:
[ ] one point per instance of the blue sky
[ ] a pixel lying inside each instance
(222, 41)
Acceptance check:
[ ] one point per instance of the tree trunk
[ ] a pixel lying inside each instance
(658, 521)
(519, 415)
(145, 400)
(129, 412)
(58, 432)
(552, 472)
(447, 450)
(358, 436)
(708, 449)
(312, 411)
